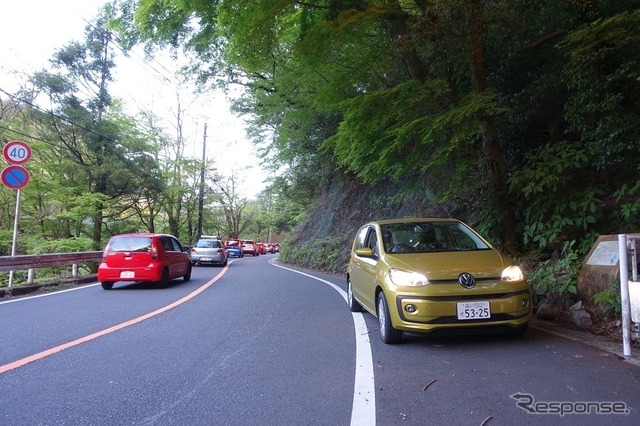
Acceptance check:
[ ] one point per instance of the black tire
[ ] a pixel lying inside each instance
(388, 334)
(354, 306)
(164, 279)
(107, 285)
(225, 263)
(186, 277)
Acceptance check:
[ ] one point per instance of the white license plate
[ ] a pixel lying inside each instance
(474, 310)
(127, 274)
(205, 259)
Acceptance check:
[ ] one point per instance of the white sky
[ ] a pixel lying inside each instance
(32, 30)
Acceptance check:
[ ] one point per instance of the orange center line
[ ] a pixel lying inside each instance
(40, 355)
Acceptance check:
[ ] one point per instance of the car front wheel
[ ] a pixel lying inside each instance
(354, 306)
(388, 334)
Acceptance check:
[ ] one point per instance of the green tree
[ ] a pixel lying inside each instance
(105, 158)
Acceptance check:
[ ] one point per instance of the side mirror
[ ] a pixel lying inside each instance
(365, 252)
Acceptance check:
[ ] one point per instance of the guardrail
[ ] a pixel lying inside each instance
(32, 262)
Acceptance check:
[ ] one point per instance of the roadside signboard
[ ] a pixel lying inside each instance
(15, 176)
(17, 152)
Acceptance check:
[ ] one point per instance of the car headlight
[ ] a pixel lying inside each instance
(512, 273)
(403, 278)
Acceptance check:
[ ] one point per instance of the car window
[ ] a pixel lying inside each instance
(170, 244)
(372, 241)
(135, 244)
(423, 237)
(360, 240)
(208, 244)
(464, 239)
(176, 244)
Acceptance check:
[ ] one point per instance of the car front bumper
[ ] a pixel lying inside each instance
(217, 259)
(433, 313)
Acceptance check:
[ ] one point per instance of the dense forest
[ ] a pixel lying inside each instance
(520, 117)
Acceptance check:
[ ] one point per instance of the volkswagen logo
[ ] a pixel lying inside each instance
(466, 280)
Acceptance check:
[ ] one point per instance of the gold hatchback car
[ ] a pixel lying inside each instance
(432, 276)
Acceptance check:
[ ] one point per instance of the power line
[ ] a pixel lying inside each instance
(51, 113)
(26, 135)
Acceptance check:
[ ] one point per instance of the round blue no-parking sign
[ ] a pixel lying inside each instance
(15, 176)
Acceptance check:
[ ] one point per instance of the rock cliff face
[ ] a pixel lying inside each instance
(346, 204)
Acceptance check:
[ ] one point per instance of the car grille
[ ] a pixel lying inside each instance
(470, 297)
(455, 320)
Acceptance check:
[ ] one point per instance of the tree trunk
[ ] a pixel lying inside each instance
(498, 191)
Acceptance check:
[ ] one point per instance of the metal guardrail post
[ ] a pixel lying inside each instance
(31, 275)
(624, 295)
(74, 270)
(634, 260)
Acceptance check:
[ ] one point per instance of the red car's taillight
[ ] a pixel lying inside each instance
(154, 253)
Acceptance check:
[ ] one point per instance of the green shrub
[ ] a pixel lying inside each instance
(323, 254)
(610, 302)
(558, 279)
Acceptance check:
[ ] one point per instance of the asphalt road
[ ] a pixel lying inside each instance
(258, 344)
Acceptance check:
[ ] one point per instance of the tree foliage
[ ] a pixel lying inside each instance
(528, 110)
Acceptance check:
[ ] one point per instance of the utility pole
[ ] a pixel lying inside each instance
(201, 193)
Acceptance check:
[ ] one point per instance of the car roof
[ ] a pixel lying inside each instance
(142, 234)
(411, 220)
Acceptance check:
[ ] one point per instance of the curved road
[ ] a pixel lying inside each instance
(259, 343)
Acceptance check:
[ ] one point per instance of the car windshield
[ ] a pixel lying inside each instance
(138, 244)
(424, 237)
(208, 244)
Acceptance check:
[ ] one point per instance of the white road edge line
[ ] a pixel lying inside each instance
(49, 294)
(363, 411)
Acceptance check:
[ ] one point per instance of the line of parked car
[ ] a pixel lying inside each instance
(160, 258)
(240, 248)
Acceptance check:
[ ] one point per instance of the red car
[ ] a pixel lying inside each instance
(250, 247)
(261, 248)
(157, 258)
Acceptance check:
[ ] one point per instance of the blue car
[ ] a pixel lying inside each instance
(234, 248)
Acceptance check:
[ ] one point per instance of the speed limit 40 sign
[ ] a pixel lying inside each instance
(17, 152)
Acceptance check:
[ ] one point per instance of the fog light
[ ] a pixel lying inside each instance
(410, 308)
(524, 303)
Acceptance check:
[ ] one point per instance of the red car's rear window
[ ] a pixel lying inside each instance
(137, 244)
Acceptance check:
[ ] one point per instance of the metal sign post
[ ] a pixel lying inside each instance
(15, 234)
